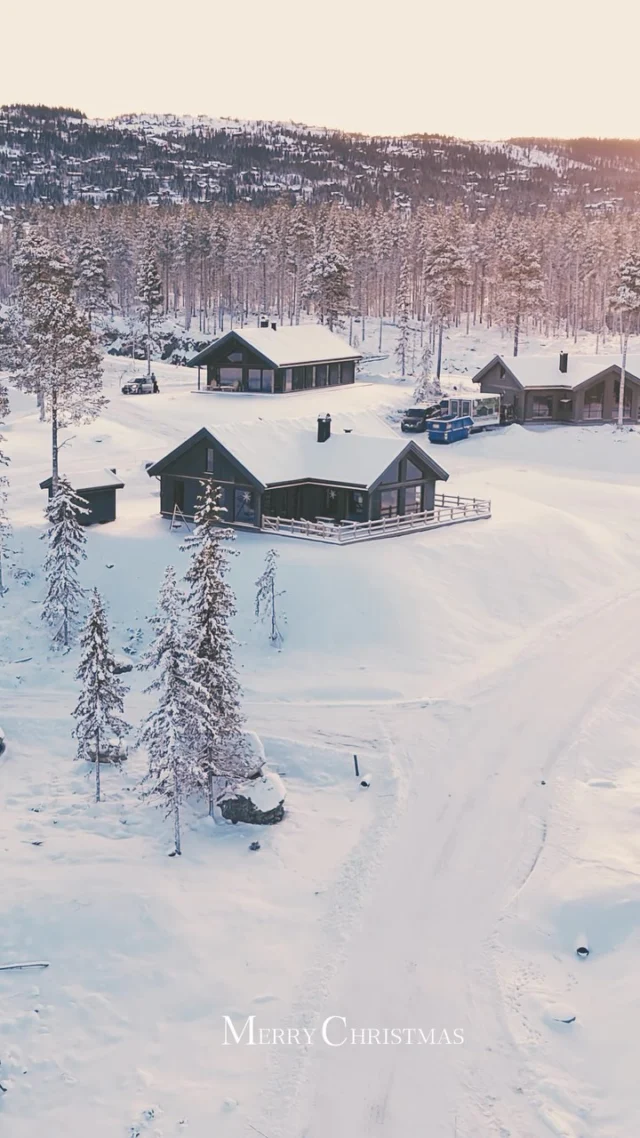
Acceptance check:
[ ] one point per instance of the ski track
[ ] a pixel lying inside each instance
(445, 843)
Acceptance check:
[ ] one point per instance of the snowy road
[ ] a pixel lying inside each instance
(423, 954)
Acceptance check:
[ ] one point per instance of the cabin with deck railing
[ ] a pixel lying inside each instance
(338, 486)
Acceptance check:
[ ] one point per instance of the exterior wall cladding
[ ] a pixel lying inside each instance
(237, 368)
(595, 401)
(245, 502)
(101, 505)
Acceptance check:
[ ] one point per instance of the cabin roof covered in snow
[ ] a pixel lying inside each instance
(544, 371)
(100, 479)
(274, 454)
(287, 347)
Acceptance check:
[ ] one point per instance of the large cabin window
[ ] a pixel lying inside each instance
(321, 375)
(334, 374)
(542, 407)
(260, 379)
(231, 378)
(347, 373)
(413, 499)
(209, 466)
(245, 507)
(388, 503)
(593, 402)
(412, 472)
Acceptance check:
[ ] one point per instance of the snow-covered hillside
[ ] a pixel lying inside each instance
(487, 677)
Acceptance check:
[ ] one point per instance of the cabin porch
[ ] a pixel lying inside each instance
(447, 510)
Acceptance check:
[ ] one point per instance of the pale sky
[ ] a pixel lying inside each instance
(472, 68)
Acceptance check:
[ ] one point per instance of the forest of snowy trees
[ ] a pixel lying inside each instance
(218, 266)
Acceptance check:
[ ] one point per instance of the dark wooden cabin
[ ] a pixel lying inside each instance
(565, 389)
(98, 488)
(276, 360)
(272, 470)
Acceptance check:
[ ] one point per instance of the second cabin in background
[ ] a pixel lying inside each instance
(276, 360)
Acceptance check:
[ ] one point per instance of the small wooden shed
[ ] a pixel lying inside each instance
(98, 488)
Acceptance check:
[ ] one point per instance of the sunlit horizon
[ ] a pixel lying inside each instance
(478, 74)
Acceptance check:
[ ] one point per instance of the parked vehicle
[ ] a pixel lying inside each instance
(415, 419)
(449, 430)
(112, 751)
(483, 410)
(3, 742)
(143, 385)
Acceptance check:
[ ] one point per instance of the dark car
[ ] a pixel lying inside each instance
(416, 418)
(3, 744)
(144, 385)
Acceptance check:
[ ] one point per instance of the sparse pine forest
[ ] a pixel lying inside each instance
(539, 256)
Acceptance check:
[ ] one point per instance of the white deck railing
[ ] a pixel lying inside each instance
(448, 510)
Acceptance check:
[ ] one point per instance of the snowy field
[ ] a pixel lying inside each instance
(488, 677)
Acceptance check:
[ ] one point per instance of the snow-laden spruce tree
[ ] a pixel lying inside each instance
(149, 293)
(267, 597)
(428, 388)
(520, 291)
(211, 607)
(172, 731)
(55, 353)
(626, 302)
(92, 281)
(402, 306)
(329, 285)
(66, 540)
(99, 711)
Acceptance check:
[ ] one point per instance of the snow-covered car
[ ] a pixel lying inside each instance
(113, 751)
(143, 385)
(416, 418)
(3, 742)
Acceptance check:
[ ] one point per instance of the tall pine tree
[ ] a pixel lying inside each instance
(55, 353)
(402, 303)
(171, 731)
(91, 277)
(66, 540)
(99, 711)
(149, 293)
(211, 606)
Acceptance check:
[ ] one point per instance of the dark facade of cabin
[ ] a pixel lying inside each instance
(232, 365)
(101, 502)
(406, 486)
(596, 400)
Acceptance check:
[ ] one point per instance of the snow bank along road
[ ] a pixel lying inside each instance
(422, 957)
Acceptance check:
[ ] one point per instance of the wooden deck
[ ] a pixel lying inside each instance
(448, 510)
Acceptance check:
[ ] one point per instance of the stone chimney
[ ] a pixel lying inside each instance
(324, 428)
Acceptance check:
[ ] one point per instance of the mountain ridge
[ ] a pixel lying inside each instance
(58, 155)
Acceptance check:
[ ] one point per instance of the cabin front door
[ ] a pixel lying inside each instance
(178, 494)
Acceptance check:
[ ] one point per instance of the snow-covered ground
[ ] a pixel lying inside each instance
(487, 675)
